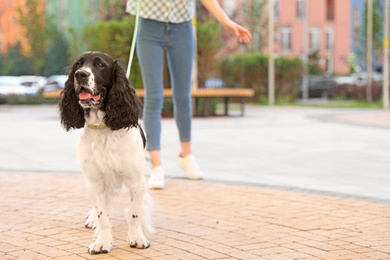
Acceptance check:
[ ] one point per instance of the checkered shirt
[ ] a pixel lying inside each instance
(173, 11)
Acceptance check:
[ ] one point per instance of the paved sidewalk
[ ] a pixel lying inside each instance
(379, 118)
(305, 149)
(43, 218)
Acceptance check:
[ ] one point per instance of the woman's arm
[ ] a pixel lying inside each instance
(215, 9)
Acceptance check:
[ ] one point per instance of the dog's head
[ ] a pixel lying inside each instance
(97, 81)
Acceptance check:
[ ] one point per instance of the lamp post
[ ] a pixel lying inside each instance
(271, 61)
(369, 51)
(385, 70)
(305, 79)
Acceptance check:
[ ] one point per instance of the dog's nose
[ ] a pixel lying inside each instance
(82, 74)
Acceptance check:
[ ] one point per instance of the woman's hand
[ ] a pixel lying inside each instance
(237, 30)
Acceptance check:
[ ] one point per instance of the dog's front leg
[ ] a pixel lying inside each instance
(103, 234)
(138, 216)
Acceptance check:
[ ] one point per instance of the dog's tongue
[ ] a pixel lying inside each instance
(84, 95)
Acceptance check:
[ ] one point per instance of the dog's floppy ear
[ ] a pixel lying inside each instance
(123, 107)
(72, 114)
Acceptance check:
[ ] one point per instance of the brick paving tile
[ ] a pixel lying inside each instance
(71, 257)
(378, 255)
(293, 255)
(43, 218)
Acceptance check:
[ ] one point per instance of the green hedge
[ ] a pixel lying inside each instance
(251, 71)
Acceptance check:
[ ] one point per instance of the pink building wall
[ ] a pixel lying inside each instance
(318, 18)
(342, 35)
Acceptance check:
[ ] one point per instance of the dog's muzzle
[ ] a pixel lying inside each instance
(82, 77)
(85, 89)
(87, 98)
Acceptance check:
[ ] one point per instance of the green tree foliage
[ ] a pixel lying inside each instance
(48, 48)
(112, 9)
(256, 24)
(353, 67)
(33, 21)
(57, 56)
(377, 21)
(114, 37)
(209, 41)
(314, 63)
(251, 71)
(13, 63)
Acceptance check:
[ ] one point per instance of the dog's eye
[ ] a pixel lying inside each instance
(100, 65)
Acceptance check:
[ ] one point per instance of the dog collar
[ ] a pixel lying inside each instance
(99, 126)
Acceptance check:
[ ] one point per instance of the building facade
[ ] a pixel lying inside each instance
(10, 30)
(333, 29)
(68, 15)
(328, 31)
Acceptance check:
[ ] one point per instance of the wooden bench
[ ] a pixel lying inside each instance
(207, 93)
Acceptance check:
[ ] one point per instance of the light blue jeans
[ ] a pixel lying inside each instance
(178, 40)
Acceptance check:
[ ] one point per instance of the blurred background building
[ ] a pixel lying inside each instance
(41, 37)
(334, 26)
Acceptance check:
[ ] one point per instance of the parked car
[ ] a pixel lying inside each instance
(319, 86)
(345, 79)
(12, 85)
(54, 85)
(55, 82)
(361, 78)
(36, 82)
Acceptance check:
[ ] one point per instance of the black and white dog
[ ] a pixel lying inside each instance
(99, 98)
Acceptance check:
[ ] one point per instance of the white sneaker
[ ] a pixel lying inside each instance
(190, 166)
(156, 180)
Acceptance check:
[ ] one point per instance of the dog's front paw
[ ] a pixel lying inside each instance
(90, 220)
(100, 247)
(144, 245)
(139, 242)
(89, 223)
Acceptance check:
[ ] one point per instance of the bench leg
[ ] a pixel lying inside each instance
(226, 101)
(196, 113)
(242, 101)
(206, 107)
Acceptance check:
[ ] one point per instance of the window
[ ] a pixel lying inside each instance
(330, 10)
(276, 9)
(356, 25)
(329, 66)
(329, 39)
(314, 39)
(301, 9)
(285, 39)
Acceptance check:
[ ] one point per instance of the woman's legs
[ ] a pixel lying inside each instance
(150, 52)
(180, 56)
(178, 40)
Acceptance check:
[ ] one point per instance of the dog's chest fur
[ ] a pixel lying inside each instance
(99, 150)
(104, 151)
